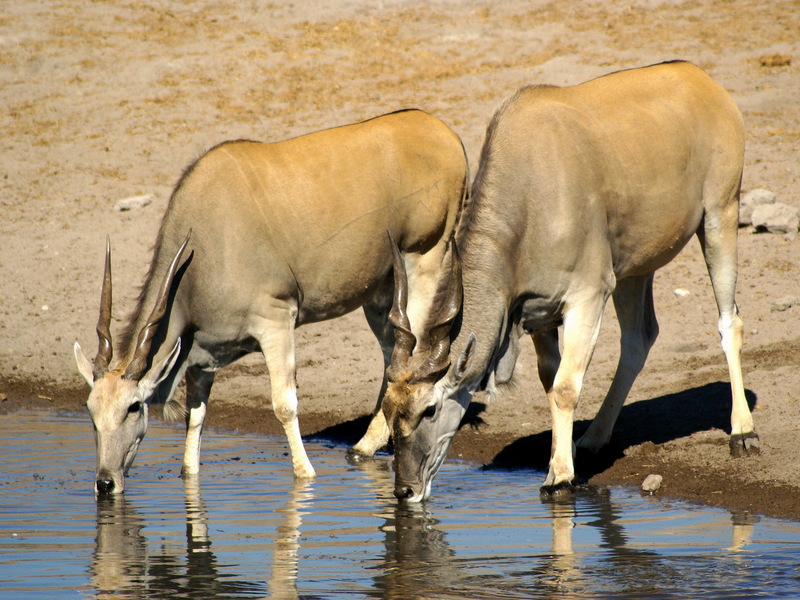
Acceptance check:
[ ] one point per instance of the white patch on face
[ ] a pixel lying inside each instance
(118, 432)
(443, 428)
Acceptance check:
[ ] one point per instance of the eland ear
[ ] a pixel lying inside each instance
(85, 366)
(465, 359)
(159, 371)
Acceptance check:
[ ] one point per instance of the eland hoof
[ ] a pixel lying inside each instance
(745, 444)
(356, 457)
(559, 491)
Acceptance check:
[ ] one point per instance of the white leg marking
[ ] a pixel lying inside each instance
(198, 388)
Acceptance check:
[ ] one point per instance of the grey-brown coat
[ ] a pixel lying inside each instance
(581, 194)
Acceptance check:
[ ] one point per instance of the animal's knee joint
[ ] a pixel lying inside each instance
(565, 396)
(285, 414)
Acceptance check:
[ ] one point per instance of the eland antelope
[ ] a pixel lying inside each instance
(257, 239)
(582, 193)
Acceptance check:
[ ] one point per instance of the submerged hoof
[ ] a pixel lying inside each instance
(745, 444)
(356, 457)
(560, 491)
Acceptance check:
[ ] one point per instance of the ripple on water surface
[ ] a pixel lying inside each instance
(245, 529)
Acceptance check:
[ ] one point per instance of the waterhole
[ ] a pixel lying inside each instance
(244, 529)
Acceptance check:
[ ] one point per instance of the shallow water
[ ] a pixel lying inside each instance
(245, 530)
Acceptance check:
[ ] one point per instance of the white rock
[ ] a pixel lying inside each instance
(784, 303)
(133, 202)
(759, 196)
(681, 292)
(651, 483)
(775, 218)
(750, 200)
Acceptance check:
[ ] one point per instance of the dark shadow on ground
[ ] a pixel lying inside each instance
(657, 420)
(349, 432)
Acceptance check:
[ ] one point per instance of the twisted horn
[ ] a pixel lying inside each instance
(404, 339)
(138, 363)
(445, 308)
(104, 349)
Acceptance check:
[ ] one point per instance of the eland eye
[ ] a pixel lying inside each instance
(135, 407)
(429, 412)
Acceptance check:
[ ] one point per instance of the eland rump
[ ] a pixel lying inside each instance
(259, 238)
(582, 193)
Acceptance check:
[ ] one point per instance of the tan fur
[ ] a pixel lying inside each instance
(284, 234)
(582, 193)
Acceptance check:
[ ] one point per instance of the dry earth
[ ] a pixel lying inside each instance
(107, 100)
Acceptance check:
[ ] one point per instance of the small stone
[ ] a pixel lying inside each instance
(133, 202)
(750, 200)
(651, 483)
(775, 218)
(775, 60)
(681, 292)
(784, 303)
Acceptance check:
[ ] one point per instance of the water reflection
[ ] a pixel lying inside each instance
(637, 570)
(120, 556)
(126, 565)
(419, 562)
(285, 555)
(344, 535)
(562, 568)
(743, 523)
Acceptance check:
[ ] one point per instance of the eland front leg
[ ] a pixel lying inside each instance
(198, 389)
(377, 313)
(581, 328)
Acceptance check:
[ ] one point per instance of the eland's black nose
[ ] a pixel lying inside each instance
(105, 486)
(403, 492)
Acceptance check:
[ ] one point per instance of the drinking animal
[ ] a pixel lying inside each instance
(582, 193)
(282, 234)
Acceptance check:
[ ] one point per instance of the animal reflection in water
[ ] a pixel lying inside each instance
(126, 564)
(418, 561)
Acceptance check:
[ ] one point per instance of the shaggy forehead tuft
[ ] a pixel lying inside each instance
(399, 389)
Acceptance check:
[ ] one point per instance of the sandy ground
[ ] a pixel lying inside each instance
(106, 100)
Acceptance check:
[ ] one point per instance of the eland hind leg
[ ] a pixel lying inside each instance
(424, 272)
(717, 237)
(376, 310)
(275, 335)
(633, 303)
